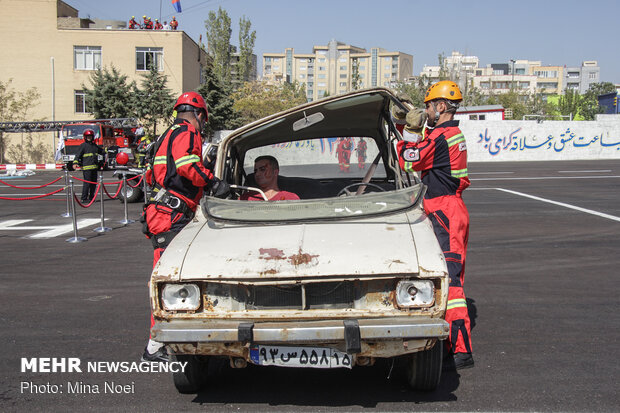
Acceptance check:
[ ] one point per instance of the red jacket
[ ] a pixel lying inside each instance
(441, 157)
(178, 166)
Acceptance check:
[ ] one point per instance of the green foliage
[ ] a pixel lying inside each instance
(255, 100)
(414, 91)
(219, 102)
(14, 107)
(590, 107)
(110, 96)
(570, 103)
(153, 101)
(356, 79)
(218, 42)
(246, 49)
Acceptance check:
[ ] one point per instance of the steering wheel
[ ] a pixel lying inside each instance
(346, 189)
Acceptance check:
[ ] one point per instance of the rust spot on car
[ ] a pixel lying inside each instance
(210, 305)
(390, 228)
(268, 272)
(301, 258)
(271, 253)
(397, 262)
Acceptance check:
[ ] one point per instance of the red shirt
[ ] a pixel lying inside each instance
(280, 196)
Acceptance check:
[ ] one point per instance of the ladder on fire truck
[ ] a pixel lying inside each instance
(34, 126)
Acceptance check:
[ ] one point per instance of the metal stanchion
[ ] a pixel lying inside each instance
(75, 238)
(124, 192)
(68, 213)
(102, 228)
(145, 188)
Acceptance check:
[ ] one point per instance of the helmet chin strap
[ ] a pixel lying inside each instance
(436, 113)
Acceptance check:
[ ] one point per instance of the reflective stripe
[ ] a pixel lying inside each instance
(89, 154)
(456, 303)
(185, 160)
(408, 167)
(459, 173)
(89, 167)
(160, 160)
(455, 139)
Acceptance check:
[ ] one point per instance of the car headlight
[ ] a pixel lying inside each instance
(180, 297)
(415, 293)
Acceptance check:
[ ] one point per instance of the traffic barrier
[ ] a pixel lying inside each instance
(32, 197)
(92, 201)
(75, 239)
(68, 213)
(126, 220)
(35, 166)
(101, 228)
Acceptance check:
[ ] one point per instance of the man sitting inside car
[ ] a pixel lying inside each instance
(266, 170)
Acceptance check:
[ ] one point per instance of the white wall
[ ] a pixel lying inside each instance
(489, 141)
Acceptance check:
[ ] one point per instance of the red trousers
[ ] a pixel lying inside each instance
(344, 157)
(451, 225)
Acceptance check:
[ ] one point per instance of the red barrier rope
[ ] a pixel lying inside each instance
(33, 197)
(83, 180)
(92, 201)
(130, 179)
(118, 191)
(31, 187)
(137, 184)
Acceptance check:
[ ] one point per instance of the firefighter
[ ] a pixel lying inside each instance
(177, 176)
(158, 25)
(89, 157)
(343, 151)
(441, 157)
(174, 23)
(149, 24)
(143, 145)
(133, 23)
(144, 20)
(361, 153)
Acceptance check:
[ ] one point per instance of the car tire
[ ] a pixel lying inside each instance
(194, 377)
(133, 194)
(424, 368)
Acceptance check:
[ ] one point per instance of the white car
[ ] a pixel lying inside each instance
(349, 273)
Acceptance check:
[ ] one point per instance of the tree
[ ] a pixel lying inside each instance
(443, 69)
(14, 107)
(153, 102)
(414, 91)
(246, 49)
(255, 100)
(356, 79)
(219, 102)
(111, 94)
(218, 43)
(570, 103)
(590, 107)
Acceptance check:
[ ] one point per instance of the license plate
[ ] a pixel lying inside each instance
(285, 356)
(67, 158)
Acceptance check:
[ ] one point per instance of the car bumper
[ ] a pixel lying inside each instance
(308, 332)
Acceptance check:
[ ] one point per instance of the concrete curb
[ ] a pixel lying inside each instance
(19, 166)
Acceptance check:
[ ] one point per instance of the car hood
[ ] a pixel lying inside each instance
(366, 247)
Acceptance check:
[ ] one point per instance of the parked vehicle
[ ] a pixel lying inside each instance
(350, 273)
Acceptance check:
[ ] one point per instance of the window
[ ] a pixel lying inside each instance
(362, 68)
(343, 84)
(80, 102)
(149, 56)
(473, 117)
(484, 85)
(322, 68)
(520, 71)
(546, 73)
(86, 57)
(322, 60)
(343, 68)
(321, 84)
(322, 76)
(268, 60)
(302, 67)
(343, 76)
(592, 75)
(276, 67)
(302, 76)
(523, 85)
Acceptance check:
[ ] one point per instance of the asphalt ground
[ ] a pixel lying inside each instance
(541, 280)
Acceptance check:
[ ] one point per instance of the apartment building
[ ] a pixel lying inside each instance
(337, 68)
(580, 78)
(47, 46)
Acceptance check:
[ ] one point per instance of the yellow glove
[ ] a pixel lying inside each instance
(398, 114)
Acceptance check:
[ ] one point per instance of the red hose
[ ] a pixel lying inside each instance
(31, 187)
(33, 197)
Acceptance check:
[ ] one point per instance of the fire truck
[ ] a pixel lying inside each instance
(114, 135)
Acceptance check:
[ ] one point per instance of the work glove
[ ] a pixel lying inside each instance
(398, 114)
(416, 118)
(219, 188)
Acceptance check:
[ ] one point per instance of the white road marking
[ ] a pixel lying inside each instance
(562, 204)
(490, 173)
(45, 231)
(584, 172)
(545, 177)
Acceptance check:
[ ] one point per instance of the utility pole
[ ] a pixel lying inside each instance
(512, 83)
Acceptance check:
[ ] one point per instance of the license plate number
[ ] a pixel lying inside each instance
(67, 158)
(288, 356)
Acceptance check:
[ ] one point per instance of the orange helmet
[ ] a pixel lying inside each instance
(445, 89)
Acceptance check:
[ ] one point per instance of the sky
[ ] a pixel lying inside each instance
(559, 33)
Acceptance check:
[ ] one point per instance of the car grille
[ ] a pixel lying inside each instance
(301, 296)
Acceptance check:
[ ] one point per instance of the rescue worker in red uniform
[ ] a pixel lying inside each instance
(174, 23)
(89, 158)
(441, 157)
(158, 25)
(343, 151)
(361, 153)
(133, 24)
(178, 178)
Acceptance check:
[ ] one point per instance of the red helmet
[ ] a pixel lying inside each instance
(89, 133)
(192, 99)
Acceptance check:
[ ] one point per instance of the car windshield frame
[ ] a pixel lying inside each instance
(322, 209)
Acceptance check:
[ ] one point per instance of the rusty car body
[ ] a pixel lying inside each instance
(349, 273)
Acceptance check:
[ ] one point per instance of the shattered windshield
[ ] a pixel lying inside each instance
(343, 207)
